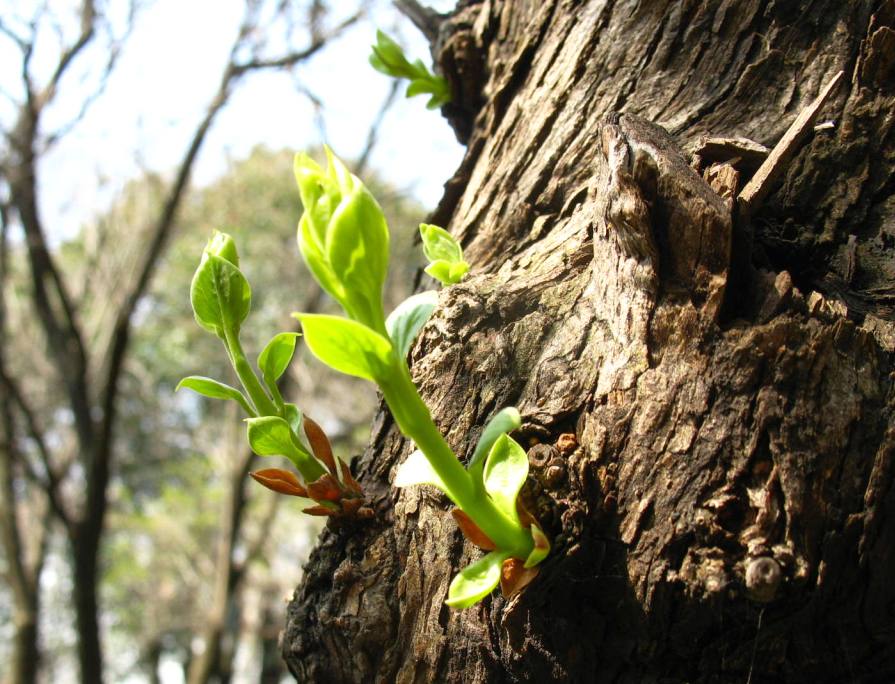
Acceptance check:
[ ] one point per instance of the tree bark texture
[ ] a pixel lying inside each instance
(707, 392)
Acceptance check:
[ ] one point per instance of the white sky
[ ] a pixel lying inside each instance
(168, 71)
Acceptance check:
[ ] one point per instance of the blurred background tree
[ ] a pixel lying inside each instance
(125, 513)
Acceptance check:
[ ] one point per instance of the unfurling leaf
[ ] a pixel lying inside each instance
(295, 419)
(320, 445)
(505, 471)
(476, 581)
(405, 322)
(388, 58)
(325, 489)
(471, 531)
(504, 421)
(347, 346)
(348, 479)
(515, 576)
(219, 293)
(541, 549)
(281, 481)
(343, 237)
(275, 357)
(216, 390)
(320, 510)
(417, 470)
(440, 244)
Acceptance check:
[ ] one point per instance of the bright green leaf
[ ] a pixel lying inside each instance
(275, 357)
(408, 318)
(348, 346)
(388, 58)
(220, 295)
(224, 246)
(457, 270)
(312, 253)
(439, 244)
(476, 581)
(418, 86)
(505, 471)
(294, 417)
(441, 271)
(272, 436)
(216, 390)
(417, 470)
(504, 421)
(357, 242)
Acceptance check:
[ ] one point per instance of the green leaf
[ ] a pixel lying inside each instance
(216, 390)
(439, 244)
(417, 470)
(357, 242)
(444, 253)
(418, 86)
(348, 346)
(505, 471)
(388, 58)
(220, 295)
(224, 246)
(408, 318)
(275, 357)
(294, 417)
(312, 253)
(272, 436)
(457, 270)
(441, 271)
(504, 421)
(476, 581)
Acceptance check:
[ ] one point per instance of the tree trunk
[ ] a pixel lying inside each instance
(85, 552)
(705, 382)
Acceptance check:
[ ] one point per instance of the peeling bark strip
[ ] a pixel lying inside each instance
(725, 508)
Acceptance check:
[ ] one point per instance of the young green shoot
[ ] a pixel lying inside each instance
(221, 299)
(343, 237)
(388, 58)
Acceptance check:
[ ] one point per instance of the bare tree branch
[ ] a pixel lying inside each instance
(88, 30)
(20, 42)
(114, 53)
(293, 58)
(373, 133)
(427, 20)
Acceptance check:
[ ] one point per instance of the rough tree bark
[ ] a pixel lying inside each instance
(706, 383)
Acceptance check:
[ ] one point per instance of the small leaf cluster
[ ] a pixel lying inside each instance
(444, 253)
(388, 58)
(340, 236)
(221, 299)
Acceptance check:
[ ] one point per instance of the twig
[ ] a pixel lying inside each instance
(427, 20)
(760, 185)
(373, 133)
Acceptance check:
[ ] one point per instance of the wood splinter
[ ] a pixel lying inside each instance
(757, 189)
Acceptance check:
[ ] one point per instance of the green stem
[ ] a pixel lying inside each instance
(263, 404)
(416, 422)
(310, 468)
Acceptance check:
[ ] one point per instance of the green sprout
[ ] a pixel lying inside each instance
(221, 299)
(343, 237)
(388, 58)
